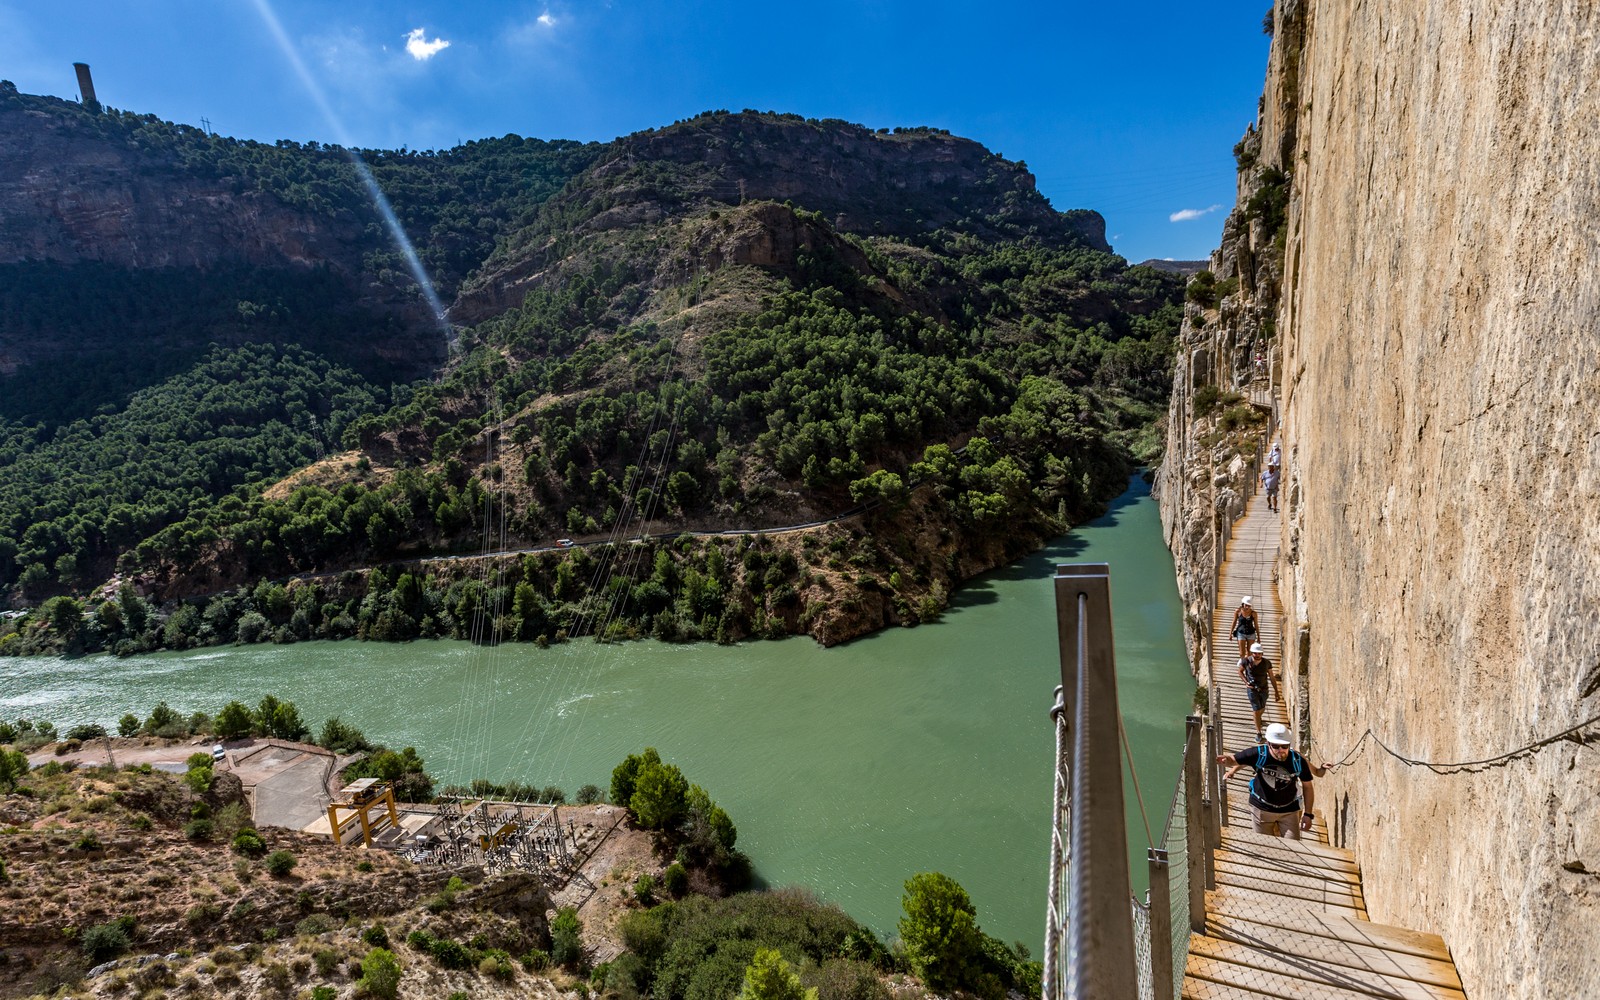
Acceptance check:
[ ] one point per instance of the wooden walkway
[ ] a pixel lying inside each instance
(1287, 918)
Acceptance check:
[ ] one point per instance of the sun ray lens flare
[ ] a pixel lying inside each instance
(341, 136)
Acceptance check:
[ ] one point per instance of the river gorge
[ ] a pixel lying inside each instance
(846, 769)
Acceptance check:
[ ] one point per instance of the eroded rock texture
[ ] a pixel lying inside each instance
(1440, 326)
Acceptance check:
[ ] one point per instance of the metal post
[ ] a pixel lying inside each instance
(1100, 952)
(1209, 809)
(1214, 787)
(1194, 825)
(1219, 791)
(1160, 925)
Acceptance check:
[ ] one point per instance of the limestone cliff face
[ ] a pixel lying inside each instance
(1439, 398)
(69, 195)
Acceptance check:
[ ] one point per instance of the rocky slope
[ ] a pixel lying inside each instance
(1438, 398)
(902, 184)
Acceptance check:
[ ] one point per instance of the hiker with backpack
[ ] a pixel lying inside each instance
(1281, 793)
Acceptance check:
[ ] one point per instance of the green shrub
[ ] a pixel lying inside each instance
(565, 947)
(89, 842)
(326, 960)
(496, 964)
(590, 794)
(769, 977)
(380, 974)
(1238, 417)
(364, 866)
(281, 863)
(1205, 400)
(1202, 290)
(103, 942)
(644, 889)
(848, 979)
(317, 923)
(377, 936)
(199, 829)
(248, 841)
(536, 960)
(324, 992)
(420, 940)
(451, 954)
(675, 879)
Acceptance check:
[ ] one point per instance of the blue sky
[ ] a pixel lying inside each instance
(1131, 109)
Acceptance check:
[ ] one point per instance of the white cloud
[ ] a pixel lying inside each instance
(540, 31)
(1190, 214)
(420, 48)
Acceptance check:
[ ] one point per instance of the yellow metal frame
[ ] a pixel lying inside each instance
(362, 805)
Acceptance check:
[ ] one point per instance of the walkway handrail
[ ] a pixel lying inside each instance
(1097, 926)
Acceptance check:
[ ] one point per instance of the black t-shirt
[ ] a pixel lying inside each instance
(1256, 673)
(1273, 787)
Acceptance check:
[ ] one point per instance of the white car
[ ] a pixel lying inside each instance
(217, 753)
(565, 543)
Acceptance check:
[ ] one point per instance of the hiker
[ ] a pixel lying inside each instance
(1256, 672)
(1244, 626)
(1269, 482)
(1275, 802)
(1274, 457)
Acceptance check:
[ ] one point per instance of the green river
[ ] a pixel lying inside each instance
(846, 770)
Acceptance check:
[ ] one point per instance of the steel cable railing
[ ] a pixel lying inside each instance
(1163, 920)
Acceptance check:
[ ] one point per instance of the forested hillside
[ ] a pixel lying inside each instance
(663, 343)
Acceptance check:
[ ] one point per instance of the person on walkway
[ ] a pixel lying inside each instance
(1269, 482)
(1281, 793)
(1256, 672)
(1244, 626)
(1274, 457)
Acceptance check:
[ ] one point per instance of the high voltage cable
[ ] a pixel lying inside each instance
(604, 571)
(599, 576)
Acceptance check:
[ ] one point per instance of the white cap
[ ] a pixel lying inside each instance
(1255, 647)
(1245, 601)
(1278, 735)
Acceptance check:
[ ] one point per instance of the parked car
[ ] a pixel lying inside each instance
(218, 753)
(565, 543)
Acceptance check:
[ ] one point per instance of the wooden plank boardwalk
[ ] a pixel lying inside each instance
(1288, 918)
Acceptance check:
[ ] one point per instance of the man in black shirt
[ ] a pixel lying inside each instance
(1275, 801)
(1256, 671)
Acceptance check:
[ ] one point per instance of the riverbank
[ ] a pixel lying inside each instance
(847, 769)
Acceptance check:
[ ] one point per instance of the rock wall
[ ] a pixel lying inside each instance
(1439, 398)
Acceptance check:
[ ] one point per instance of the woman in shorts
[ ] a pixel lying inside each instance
(1244, 626)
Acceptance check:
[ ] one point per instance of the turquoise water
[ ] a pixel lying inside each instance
(846, 770)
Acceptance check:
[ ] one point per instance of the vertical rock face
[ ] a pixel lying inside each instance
(1440, 397)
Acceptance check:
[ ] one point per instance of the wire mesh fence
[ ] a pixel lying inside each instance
(1163, 919)
(1175, 841)
(1141, 948)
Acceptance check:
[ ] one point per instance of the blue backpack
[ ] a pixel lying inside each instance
(1294, 762)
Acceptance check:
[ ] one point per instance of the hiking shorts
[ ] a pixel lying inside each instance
(1277, 824)
(1258, 698)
